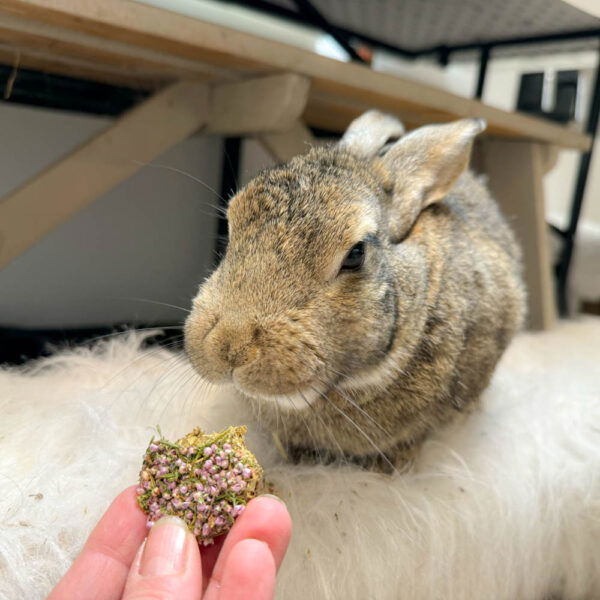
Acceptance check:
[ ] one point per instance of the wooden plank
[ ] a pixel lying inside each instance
(165, 32)
(70, 66)
(98, 165)
(119, 62)
(284, 146)
(266, 104)
(515, 171)
(337, 113)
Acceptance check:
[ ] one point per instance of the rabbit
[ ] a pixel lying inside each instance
(366, 294)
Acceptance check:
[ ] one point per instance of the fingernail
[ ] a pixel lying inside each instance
(271, 496)
(165, 547)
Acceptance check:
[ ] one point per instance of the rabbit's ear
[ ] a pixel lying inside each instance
(367, 135)
(422, 167)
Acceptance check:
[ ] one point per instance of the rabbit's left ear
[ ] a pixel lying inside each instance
(422, 167)
(368, 135)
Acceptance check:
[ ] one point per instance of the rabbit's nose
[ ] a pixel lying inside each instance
(236, 346)
(238, 355)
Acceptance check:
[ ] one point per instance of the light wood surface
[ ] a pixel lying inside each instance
(515, 171)
(121, 38)
(262, 105)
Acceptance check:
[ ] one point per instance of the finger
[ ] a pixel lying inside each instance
(100, 570)
(167, 566)
(265, 519)
(249, 572)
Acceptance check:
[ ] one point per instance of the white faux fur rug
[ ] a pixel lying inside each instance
(503, 506)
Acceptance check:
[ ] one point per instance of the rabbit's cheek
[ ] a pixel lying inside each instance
(280, 369)
(286, 363)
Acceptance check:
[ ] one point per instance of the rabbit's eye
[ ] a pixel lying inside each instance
(355, 258)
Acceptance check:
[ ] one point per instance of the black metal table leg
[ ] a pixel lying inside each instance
(484, 58)
(564, 262)
(230, 174)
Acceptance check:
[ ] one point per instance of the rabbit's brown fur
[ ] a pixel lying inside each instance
(362, 365)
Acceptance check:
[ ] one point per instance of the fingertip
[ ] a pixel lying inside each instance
(274, 506)
(131, 493)
(270, 521)
(265, 519)
(271, 496)
(126, 501)
(123, 526)
(168, 564)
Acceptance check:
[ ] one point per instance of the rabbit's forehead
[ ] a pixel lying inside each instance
(328, 201)
(313, 219)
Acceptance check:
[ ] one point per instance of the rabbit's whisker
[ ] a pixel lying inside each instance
(128, 330)
(188, 175)
(329, 431)
(133, 299)
(308, 430)
(361, 431)
(361, 410)
(334, 386)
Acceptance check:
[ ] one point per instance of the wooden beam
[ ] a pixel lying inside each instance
(98, 165)
(266, 104)
(48, 47)
(137, 25)
(515, 171)
(26, 58)
(284, 146)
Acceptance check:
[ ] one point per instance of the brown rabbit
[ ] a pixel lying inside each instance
(368, 290)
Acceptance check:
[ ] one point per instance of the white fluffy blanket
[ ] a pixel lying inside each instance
(503, 506)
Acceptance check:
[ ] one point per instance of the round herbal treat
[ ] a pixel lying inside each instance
(205, 479)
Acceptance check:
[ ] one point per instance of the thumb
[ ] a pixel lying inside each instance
(167, 565)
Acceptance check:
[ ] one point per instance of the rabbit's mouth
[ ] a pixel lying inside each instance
(300, 399)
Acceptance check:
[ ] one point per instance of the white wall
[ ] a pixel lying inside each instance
(150, 238)
(458, 77)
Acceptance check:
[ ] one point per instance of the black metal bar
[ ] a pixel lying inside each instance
(484, 58)
(36, 88)
(230, 173)
(18, 345)
(559, 232)
(564, 262)
(374, 42)
(443, 56)
(314, 17)
(515, 41)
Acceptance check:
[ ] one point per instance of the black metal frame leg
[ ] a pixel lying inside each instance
(563, 265)
(230, 175)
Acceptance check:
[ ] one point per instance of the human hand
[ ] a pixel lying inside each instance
(116, 562)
